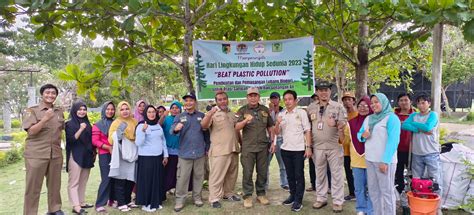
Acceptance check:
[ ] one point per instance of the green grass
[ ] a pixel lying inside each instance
(12, 182)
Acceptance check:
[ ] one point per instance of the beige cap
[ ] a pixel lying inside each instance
(348, 94)
(252, 90)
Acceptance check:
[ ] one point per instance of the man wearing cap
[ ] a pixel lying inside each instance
(328, 119)
(224, 151)
(348, 101)
(255, 122)
(275, 109)
(192, 148)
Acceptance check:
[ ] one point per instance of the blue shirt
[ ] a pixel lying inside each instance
(151, 142)
(192, 144)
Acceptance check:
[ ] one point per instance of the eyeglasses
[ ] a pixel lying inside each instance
(364, 106)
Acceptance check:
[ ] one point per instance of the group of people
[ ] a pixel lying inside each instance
(154, 150)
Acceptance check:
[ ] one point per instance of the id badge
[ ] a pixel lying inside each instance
(183, 119)
(320, 126)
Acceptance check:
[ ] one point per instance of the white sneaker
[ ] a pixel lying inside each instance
(360, 213)
(159, 207)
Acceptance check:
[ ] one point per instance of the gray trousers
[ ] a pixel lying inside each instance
(183, 175)
(382, 188)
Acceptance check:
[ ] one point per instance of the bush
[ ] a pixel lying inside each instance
(470, 116)
(15, 123)
(10, 157)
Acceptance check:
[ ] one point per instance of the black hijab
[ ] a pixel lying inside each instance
(104, 123)
(145, 117)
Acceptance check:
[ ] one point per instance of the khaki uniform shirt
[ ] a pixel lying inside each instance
(324, 136)
(223, 135)
(293, 127)
(254, 134)
(47, 142)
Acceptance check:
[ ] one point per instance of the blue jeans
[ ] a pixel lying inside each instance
(431, 163)
(363, 203)
(283, 179)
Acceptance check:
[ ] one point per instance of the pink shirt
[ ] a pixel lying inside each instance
(99, 139)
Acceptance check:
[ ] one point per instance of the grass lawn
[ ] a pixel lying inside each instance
(12, 182)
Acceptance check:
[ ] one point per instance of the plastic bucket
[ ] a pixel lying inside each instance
(422, 206)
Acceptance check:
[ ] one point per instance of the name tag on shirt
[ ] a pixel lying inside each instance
(199, 118)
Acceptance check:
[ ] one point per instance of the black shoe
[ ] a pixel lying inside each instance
(60, 212)
(349, 197)
(286, 187)
(232, 198)
(296, 207)
(289, 201)
(87, 206)
(80, 212)
(216, 205)
(311, 189)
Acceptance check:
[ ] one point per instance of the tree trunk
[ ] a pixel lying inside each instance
(188, 37)
(437, 67)
(362, 67)
(446, 100)
(337, 72)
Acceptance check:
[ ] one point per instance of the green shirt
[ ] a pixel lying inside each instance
(254, 134)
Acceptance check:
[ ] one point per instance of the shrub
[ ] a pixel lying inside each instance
(10, 157)
(470, 116)
(15, 123)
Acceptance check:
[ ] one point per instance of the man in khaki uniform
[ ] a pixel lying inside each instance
(255, 122)
(43, 154)
(328, 119)
(223, 152)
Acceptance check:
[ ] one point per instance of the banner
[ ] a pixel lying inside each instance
(232, 66)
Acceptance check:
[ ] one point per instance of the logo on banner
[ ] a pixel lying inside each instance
(242, 48)
(226, 48)
(277, 47)
(259, 48)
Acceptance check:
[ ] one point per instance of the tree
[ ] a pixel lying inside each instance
(165, 28)
(307, 75)
(201, 82)
(362, 32)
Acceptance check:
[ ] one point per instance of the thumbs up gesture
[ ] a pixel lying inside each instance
(178, 127)
(83, 126)
(145, 126)
(48, 114)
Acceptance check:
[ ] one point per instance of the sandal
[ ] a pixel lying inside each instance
(87, 206)
(124, 208)
(101, 210)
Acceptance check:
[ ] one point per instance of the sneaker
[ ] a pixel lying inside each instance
(198, 203)
(216, 205)
(289, 201)
(336, 208)
(318, 205)
(233, 198)
(360, 213)
(349, 197)
(286, 187)
(263, 200)
(296, 207)
(178, 207)
(146, 208)
(248, 203)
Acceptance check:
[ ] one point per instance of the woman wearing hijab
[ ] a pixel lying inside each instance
(172, 143)
(381, 134)
(80, 155)
(139, 109)
(100, 134)
(152, 157)
(357, 153)
(161, 110)
(123, 171)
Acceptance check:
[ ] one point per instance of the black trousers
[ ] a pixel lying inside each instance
(294, 165)
(349, 176)
(123, 191)
(150, 178)
(312, 174)
(401, 165)
(105, 192)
